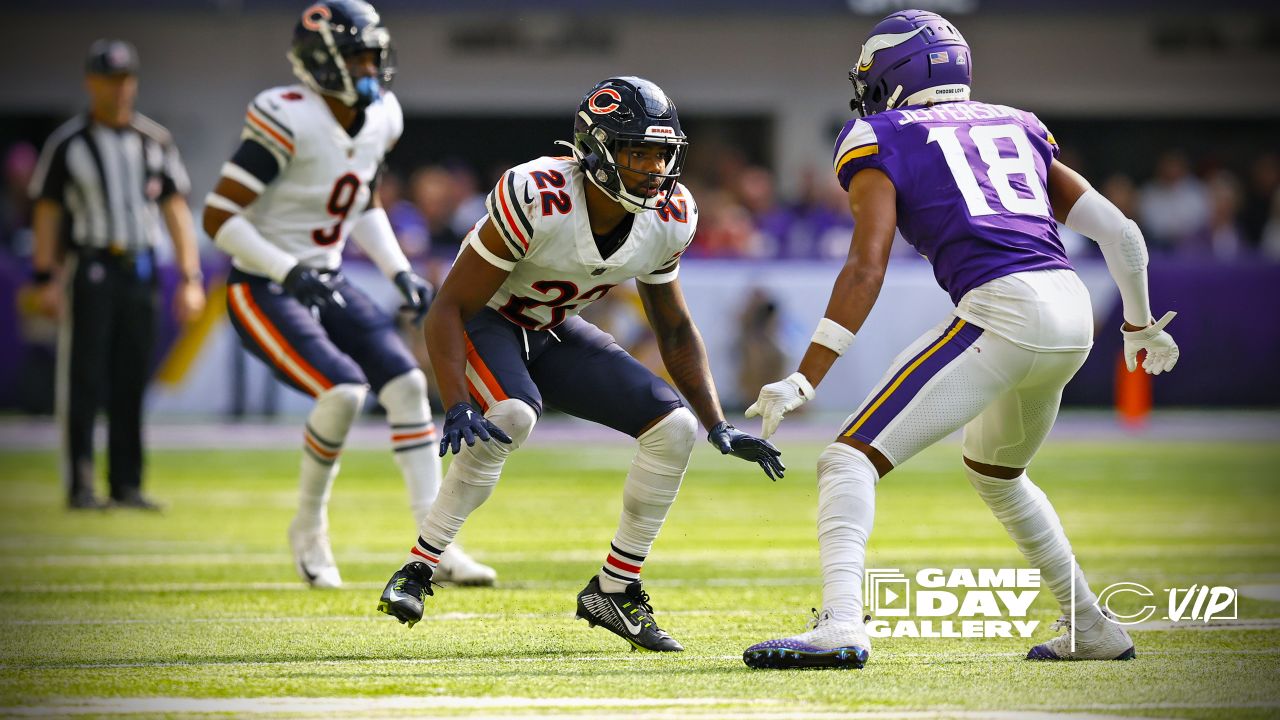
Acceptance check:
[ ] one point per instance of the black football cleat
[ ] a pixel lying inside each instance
(626, 614)
(406, 592)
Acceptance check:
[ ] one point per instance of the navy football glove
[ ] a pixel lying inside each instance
(464, 423)
(417, 293)
(310, 289)
(729, 440)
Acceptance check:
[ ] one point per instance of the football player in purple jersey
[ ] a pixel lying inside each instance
(975, 188)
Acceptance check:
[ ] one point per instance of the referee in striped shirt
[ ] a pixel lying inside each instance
(103, 181)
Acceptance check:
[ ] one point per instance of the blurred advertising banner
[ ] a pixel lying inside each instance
(756, 318)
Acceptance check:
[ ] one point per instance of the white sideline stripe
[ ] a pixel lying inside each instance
(674, 557)
(372, 617)
(1260, 592)
(1163, 625)
(1246, 624)
(263, 705)
(98, 588)
(885, 657)
(274, 705)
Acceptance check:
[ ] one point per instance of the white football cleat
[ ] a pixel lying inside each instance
(459, 568)
(1112, 642)
(830, 644)
(312, 556)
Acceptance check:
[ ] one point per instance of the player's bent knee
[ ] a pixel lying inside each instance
(336, 408)
(406, 393)
(347, 397)
(666, 447)
(412, 384)
(516, 418)
(839, 460)
(877, 459)
(993, 471)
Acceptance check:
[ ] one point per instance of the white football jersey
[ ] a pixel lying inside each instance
(540, 210)
(323, 184)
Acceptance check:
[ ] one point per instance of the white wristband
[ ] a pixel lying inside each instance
(832, 335)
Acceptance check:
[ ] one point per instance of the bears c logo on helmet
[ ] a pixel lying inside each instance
(598, 109)
(312, 15)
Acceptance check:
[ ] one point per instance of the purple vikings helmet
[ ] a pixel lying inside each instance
(911, 57)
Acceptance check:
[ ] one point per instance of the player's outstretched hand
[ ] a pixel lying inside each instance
(1162, 351)
(462, 423)
(310, 289)
(417, 293)
(729, 440)
(778, 399)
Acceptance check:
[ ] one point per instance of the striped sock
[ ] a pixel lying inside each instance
(315, 478)
(425, 553)
(414, 447)
(323, 451)
(620, 569)
(412, 436)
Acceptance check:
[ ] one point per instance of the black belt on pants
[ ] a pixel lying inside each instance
(141, 264)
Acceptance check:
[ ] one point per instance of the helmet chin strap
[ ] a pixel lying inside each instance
(893, 99)
(623, 198)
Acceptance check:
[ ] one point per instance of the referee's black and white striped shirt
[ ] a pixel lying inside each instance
(110, 180)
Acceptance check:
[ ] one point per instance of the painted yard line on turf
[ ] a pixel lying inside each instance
(885, 657)
(1245, 624)
(263, 705)
(1260, 592)
(707, 706)
(674, 557)
(99, 588)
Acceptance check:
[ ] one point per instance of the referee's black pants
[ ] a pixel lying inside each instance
(104, 352)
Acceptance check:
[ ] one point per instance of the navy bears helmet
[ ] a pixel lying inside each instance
(616, 113)
(330, 31)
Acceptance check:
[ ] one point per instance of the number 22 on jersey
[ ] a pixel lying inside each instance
(998, 168)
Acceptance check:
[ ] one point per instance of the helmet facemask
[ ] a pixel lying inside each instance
(322, 65)
(605, 159)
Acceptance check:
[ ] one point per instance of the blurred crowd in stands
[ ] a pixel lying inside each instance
(1186, 206)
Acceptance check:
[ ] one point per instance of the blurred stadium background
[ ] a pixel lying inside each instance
(1174, 115)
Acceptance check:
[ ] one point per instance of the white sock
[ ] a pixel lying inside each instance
(846, 512)
(413, 440)
(650, 489)
(325, 433)
(1031, 521)
(470, 481)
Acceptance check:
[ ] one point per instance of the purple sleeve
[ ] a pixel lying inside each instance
(856, 149)
(1039, 130)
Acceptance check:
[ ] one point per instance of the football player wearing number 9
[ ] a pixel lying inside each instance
(975, 188)
(505, 332)
(301, 182)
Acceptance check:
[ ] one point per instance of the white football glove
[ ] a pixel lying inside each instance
(778, 399)
(1162, 351)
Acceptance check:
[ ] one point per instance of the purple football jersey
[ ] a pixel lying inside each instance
(971, 180)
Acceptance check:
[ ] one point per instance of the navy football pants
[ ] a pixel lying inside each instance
(356, 343)
(575, 367)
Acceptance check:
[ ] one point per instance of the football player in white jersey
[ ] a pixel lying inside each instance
(300, 183)
(559, 233)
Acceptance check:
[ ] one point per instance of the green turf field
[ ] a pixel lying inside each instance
(199, 606)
